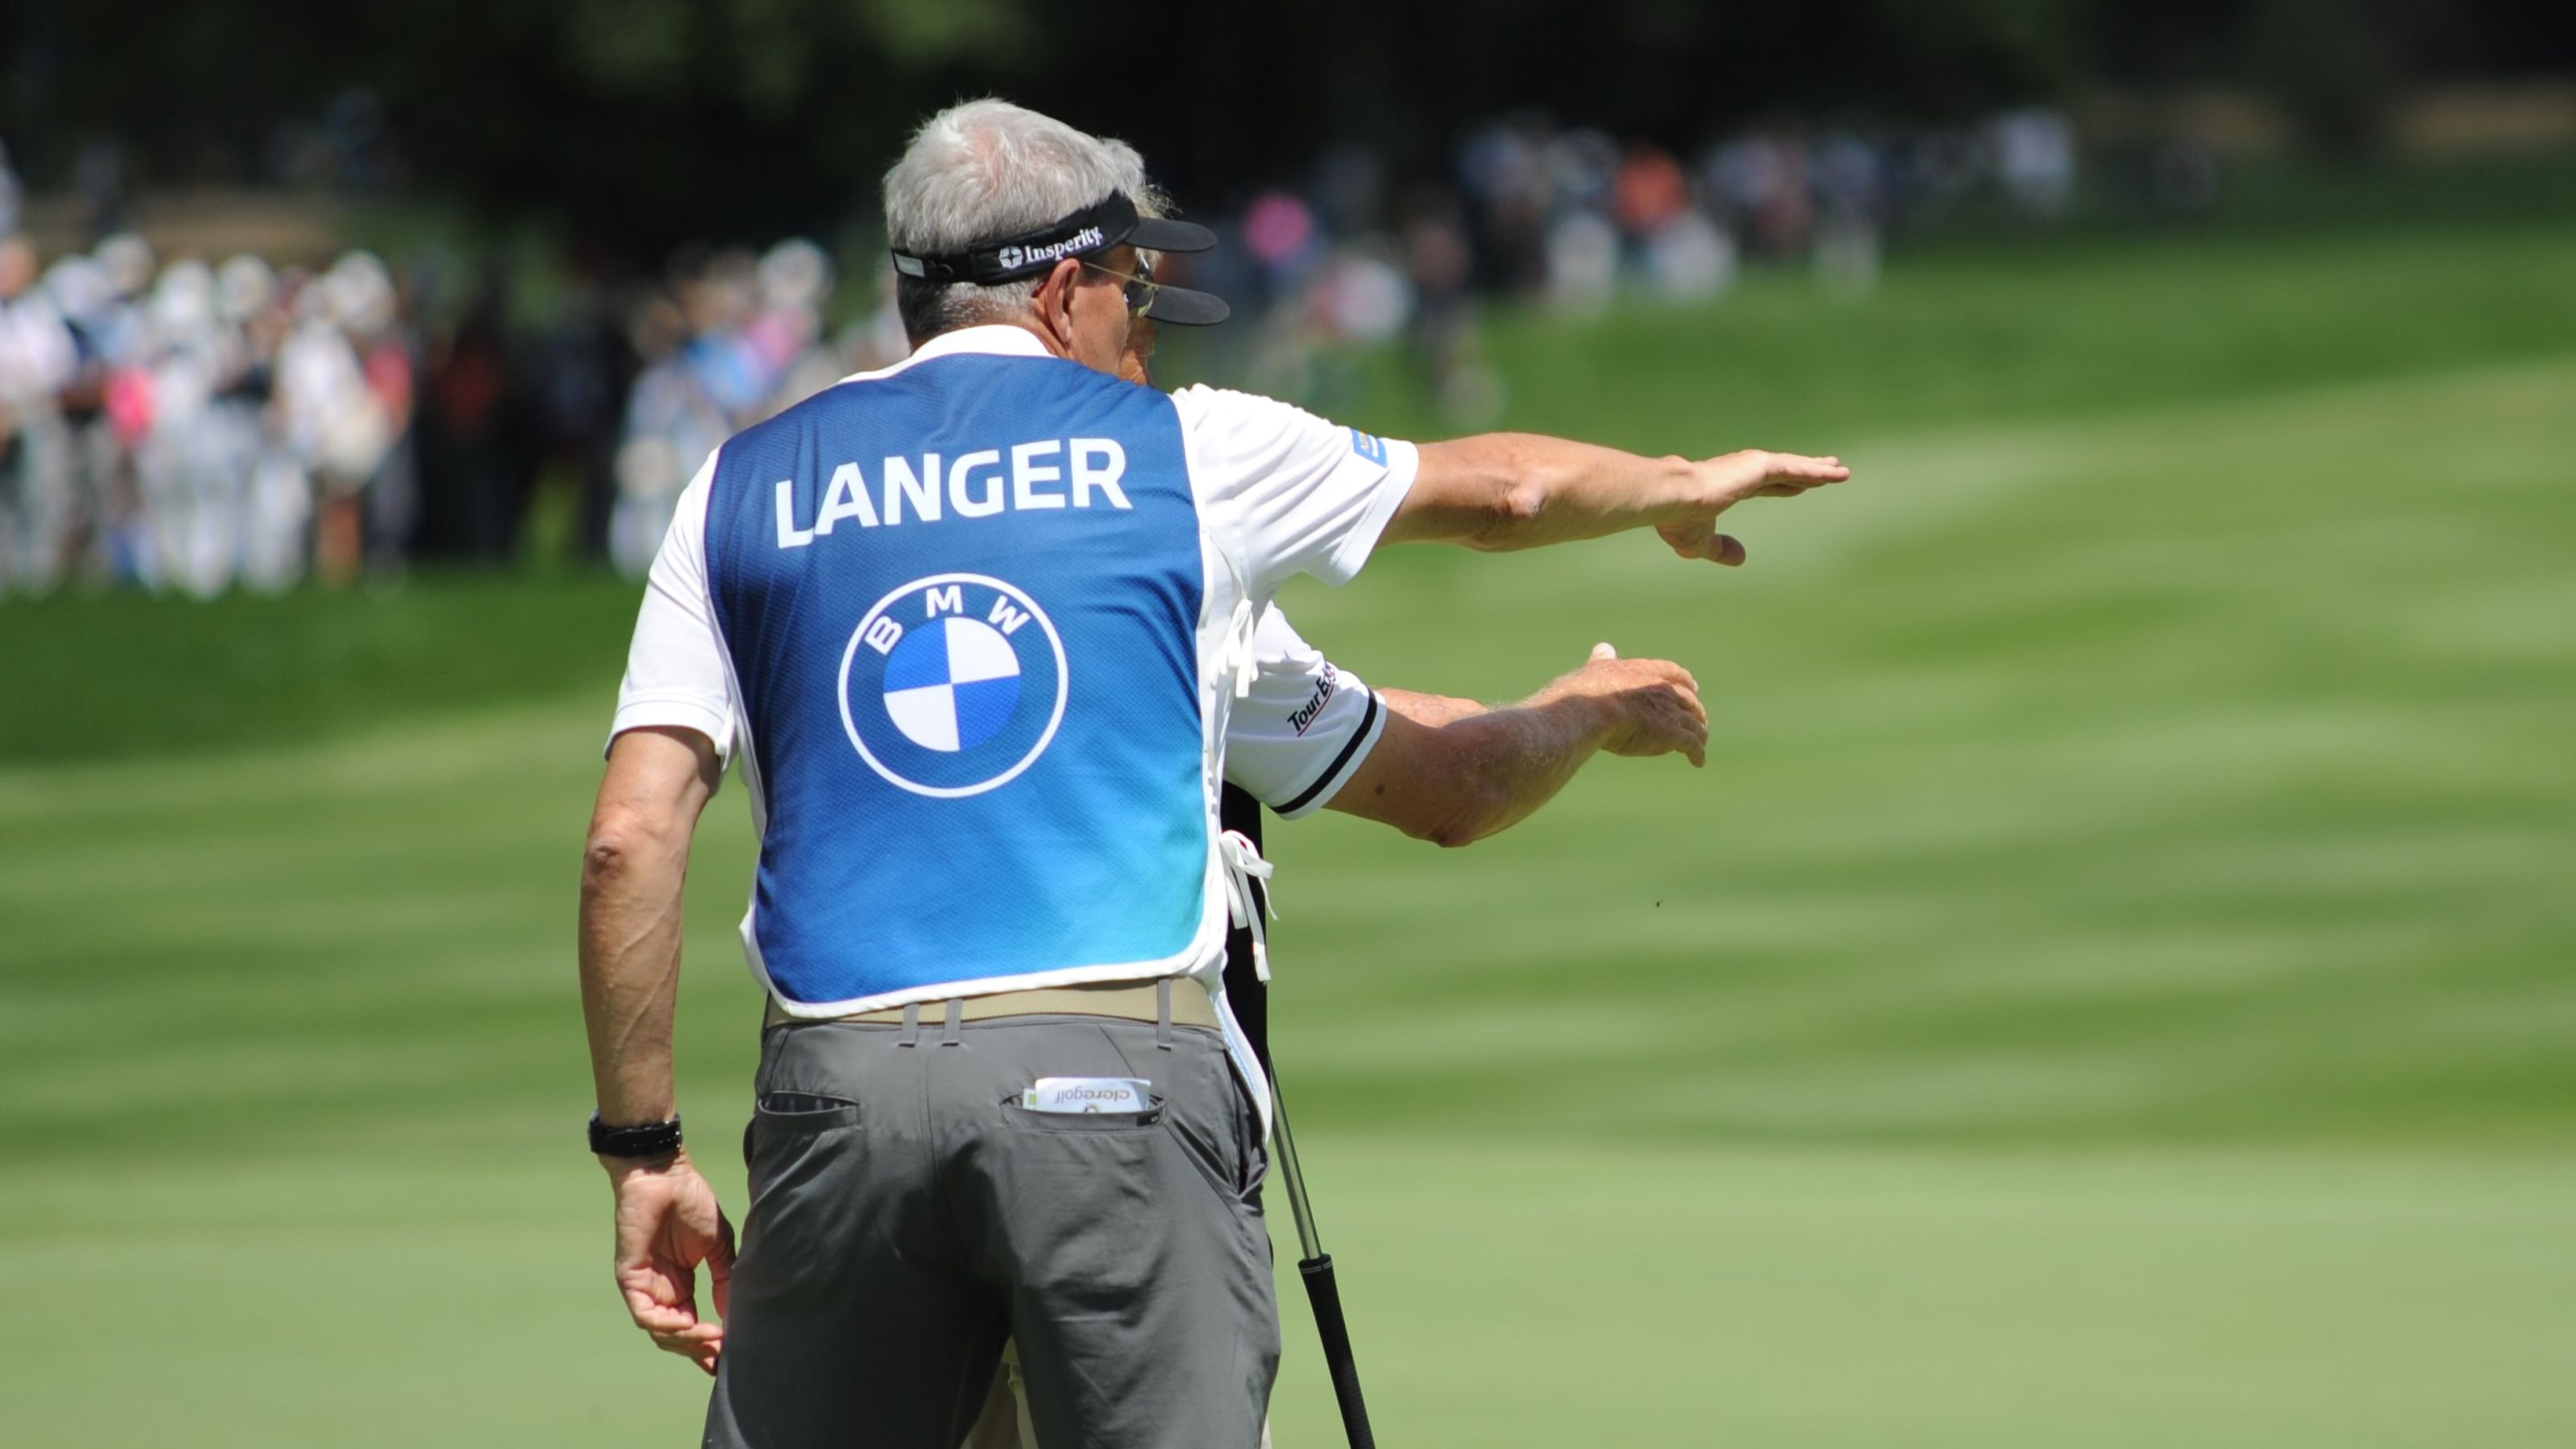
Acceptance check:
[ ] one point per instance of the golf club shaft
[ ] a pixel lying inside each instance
(1292, 1175)
(1316, 1267)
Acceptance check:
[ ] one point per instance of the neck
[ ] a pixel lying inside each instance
(1053, 347)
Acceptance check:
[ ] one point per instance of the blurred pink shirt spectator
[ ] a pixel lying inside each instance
(1277, 228)
(1648, 191)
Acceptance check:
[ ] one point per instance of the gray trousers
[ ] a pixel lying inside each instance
(908, 1215)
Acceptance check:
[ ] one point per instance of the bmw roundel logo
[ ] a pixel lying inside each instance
(953, 684)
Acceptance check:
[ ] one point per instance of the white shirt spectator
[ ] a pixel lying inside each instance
(37, 354)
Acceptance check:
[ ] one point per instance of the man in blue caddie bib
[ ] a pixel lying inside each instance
(973, 626)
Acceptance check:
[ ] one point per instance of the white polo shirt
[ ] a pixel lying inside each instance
(1303, 731)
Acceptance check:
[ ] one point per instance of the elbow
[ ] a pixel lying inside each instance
(618, 839)
(1476, 806)
(1520, 482)
(1454, 834)
(605, 857)
(1512, 512)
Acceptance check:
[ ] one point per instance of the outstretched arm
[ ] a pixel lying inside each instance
(1452, 771)
(667, 1221)
(1524, 490)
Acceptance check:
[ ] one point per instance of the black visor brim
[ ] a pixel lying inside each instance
(1183, 307)
(1163, 234)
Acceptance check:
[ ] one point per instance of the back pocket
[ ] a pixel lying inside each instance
(799, 1112)
(1029, 1120)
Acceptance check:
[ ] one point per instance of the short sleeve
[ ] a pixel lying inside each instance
(1306, 726)
(1292, 493)
(675, 669)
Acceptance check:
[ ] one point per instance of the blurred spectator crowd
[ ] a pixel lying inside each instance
(190, 426)
(1573, 219)
(183, 426)
(193, 427)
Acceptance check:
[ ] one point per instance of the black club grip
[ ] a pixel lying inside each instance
(1327, 1298)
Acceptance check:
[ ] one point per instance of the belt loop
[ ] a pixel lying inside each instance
(1163, 1013)
(956, 1014)
(911, 1025)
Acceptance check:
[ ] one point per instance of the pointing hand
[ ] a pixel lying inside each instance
(1734, 477)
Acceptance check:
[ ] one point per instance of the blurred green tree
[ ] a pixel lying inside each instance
(637, 123)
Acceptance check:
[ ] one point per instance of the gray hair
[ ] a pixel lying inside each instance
(986, 169)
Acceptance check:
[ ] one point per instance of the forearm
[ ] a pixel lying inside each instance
(659, 779)
(1502, 491)
(1434, 710)
(630, 967)
(1502, 764)
(1452, 771)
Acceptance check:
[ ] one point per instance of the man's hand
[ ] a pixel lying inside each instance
(667, 1224)
(1501, 491)
(1734, 477)
(1452, 772)
(1655, 704)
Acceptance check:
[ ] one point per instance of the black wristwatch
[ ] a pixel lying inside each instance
(647, 1139)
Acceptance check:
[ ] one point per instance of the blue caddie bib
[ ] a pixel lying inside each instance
(963, 603)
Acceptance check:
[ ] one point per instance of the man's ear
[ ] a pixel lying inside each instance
(1055, 301)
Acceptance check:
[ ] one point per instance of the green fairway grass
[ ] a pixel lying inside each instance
(2115, 983)
(1535, 1293)
(127, 675)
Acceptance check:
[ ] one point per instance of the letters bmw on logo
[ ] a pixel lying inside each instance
(952, 685)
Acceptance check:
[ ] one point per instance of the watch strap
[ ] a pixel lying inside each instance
(645, 1139)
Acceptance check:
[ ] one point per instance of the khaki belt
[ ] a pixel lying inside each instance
(1133, 1001)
